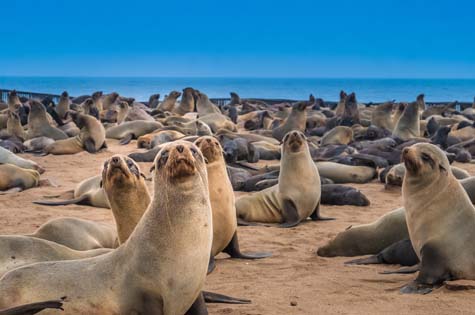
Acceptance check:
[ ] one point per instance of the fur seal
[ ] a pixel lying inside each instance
(407, 127)
(204, 106)
(109, 100)
(14, 178)
(175, 234)
(350, 114)
(169, 103)
(88, 192)
(333, 194)
(295, 121)
(440, 219)
(38, 124)
(154, 100)
(382, 116)
(368, 239)
(225, 238)
(127, 193)
(341, 173)
(187, 102)
(340, 107)
(77, 234)
(337, 135)
(129, 130)
(63, 105)
(295, 197)
(91, 137)
(7, 157)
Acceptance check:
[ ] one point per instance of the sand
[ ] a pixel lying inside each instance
(293, 281)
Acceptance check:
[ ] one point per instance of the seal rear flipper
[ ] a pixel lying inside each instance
(316, 214)
(80, 200)
(433, 271)
(233, 250)
(375, 259)
(11, 191)
(198, 307)
(211, 297)
(33, 308)
(401, 253)
(126, 140)
(405, 270)
(241, 222)
(90, 145)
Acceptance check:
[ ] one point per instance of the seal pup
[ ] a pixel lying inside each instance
(175, 234)
(38, 124)
(225, 238)
(440, 219)
(91, 138)
(88, 192)
(296, 120)
(297, 194)
(407, 127)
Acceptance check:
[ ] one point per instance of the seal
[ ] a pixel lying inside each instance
(334, 194)
(88, 192)
(407, 127)
(169, 103)
(33, 308)
(382, 116)
(38, 124)
(340, 107)
(368, 239)
(7, 157)
(15, 179)
(129, 130)
(341, 173)
(127, 193)
(63, 105)
(175, 233)
(225, 238)
(14, 127)
(187, 102)
(295, 121)
(154, 100)
(295, 197)
(337, 135)
(77, 234)
(108, 101)
(440, 219)
(91, 137)
(350, 115)
(204, 106)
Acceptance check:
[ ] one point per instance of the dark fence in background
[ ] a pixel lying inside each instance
(217, 101)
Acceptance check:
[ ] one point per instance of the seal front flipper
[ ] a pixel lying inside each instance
(211, 264)
(33, 308)
(433, 272)
(198, 307)
(211, 297)
(290, 214)
(316, 214)
(126, 140)
(89, 145)
(233, 250)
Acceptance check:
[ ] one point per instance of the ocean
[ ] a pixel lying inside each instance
(367, 90)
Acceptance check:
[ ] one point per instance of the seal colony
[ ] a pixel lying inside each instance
(285, 161)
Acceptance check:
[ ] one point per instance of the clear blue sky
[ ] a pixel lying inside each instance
(402, 39)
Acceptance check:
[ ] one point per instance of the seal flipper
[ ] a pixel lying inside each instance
(198, 307)
(316, 214)
(89, 145)
(84, 199)
(33, 308)
(126, 140)
(233, 250)
(289, 214)
(433, 272)
(404, 270)
(211, 297)
(401, 253)
(211, 264)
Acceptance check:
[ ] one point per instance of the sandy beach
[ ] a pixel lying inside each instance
(293, 281)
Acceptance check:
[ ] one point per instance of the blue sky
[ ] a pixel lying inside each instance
(389, 39)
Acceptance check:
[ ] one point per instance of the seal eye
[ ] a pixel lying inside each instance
(164, 157)
(130, 164)
(425, 157)
(194, 151)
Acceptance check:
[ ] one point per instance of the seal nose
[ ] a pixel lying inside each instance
(180, 148)
(208, 140)
(405, 151)
(115, 160)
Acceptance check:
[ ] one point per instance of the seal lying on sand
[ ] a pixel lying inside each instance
(297, 194)
(14, 178)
